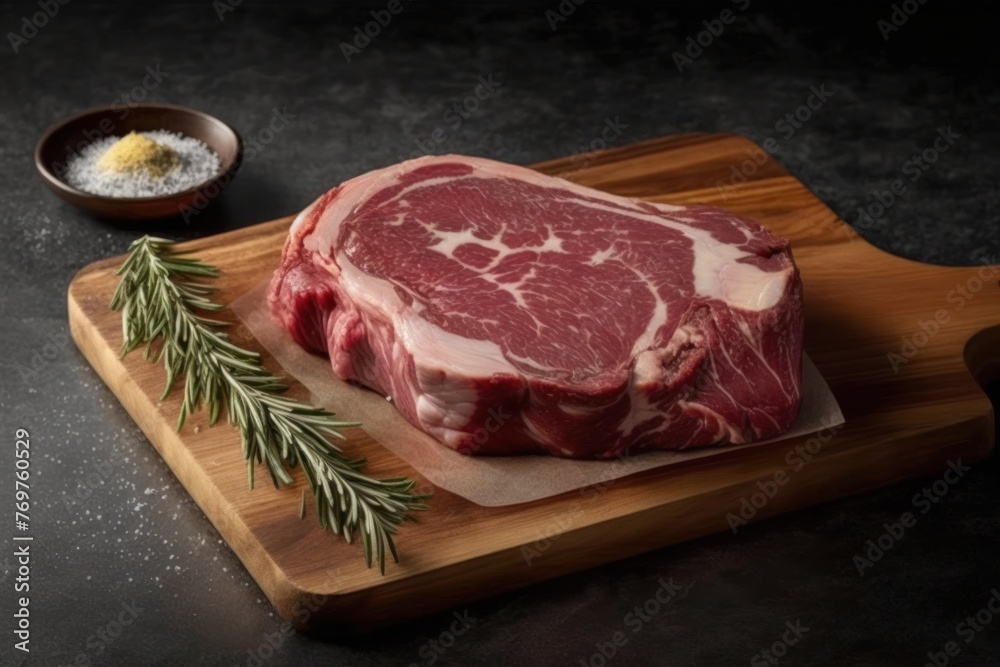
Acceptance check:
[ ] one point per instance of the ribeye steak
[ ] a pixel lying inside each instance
(507, 312)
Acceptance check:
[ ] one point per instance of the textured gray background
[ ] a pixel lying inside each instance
(137, 538)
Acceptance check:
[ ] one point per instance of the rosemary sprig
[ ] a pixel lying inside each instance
(161, 302)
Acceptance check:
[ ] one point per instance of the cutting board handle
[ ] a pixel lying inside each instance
(982, 297)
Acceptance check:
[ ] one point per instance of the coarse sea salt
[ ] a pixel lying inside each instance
(198, 164)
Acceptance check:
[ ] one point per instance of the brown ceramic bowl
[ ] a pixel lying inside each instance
(74, 133)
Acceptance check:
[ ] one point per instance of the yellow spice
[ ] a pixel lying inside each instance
(134, 152)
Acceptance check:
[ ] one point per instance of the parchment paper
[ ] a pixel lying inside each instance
(488, 481)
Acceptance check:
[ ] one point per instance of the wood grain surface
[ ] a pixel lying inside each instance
(905, 415)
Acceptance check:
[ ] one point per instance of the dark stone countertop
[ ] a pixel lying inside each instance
(138, 545)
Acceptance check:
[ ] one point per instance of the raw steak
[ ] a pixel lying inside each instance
(507, 312)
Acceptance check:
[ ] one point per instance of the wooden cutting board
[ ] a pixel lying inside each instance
(905, 416)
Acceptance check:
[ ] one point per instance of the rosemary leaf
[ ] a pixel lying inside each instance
(160, 303)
